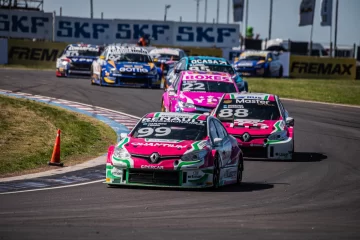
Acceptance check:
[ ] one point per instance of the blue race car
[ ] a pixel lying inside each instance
(259, 63)
(124, 66)
(204, 63)
(76, 59)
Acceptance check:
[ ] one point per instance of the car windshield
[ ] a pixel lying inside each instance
(91, 52)
(133, 57)
(253, 58)
(168, 56)
(207, 86)
(213, 68)
(230, 109)
(171, 128)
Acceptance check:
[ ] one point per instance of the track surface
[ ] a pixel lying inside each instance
(315, 197)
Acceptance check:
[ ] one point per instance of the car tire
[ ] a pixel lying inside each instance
(240, 170)
(216, 173)
(266, 73)
(281, 70)
(246, 86)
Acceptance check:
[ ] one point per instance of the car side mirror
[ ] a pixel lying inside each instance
(269, 59)
(102, 57)
(177, 70)
(217, 141)
(290, 121)
(123, 135)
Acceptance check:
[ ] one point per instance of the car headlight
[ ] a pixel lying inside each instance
(121, 153)
(114, 71)
(194, 156)
(281, 135)
(185, 105)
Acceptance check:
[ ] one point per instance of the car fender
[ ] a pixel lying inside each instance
(110, 153)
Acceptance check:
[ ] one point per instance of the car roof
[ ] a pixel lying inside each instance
(126, 49)
(247, 95)
(83, 45)
(173, 51)
(189, 75)
(256, 53)
(206, 57)
(200, 117)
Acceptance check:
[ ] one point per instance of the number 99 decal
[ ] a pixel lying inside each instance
(228, 112)
(159, 132)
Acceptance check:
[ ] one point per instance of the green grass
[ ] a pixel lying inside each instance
(28, 131)
(332, 91)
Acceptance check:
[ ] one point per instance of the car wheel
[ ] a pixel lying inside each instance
(240, 170)
(280, 72)
(216, 173)
(266, 73)
(246, 87)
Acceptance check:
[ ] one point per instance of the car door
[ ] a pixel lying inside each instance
(226, 144)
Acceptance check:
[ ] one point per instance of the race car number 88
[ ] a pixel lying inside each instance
(230, 112)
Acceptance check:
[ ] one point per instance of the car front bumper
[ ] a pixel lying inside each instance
(184, 178)
(272, 150)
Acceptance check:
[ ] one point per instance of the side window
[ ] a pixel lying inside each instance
(183, 64)
(176, 83)
(220, 130)
(213, 132)
(282, 109)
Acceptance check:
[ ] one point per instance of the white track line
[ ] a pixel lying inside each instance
(50, 188)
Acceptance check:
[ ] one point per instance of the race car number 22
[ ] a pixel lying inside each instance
(230, 112)
(193, 86)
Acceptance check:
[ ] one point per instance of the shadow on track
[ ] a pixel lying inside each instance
(298, 157)
(243, 187)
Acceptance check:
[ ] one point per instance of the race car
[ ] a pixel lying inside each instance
(76, 59)
(197, 91)
(216, 64)
(259, 63)
(167, 54)
(259, 122)
(175, 150)
(124, 66)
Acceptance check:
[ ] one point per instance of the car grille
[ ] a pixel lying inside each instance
(134, 74)
(80, 66)
(154, 177)
(252, 137)
(254, 152)
(161, 158)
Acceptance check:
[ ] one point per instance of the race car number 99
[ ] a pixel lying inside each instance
(159, 132)
(230, 112)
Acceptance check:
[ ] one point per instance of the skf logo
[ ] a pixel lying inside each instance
(321, 68)
(36, 54)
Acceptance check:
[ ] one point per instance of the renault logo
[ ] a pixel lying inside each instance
(246, 137)
(154, 157)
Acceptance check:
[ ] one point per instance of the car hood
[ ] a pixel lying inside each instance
(164, 147)
(254, 126)
(203, 99)
(81, 59)
(247, 63)
(134, 67)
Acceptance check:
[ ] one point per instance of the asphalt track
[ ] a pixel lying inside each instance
(315, 197)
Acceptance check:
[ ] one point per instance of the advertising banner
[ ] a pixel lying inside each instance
(26, 24)
(29, 53)
(322, 68)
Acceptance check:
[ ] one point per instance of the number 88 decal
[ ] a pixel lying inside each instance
(228, 112)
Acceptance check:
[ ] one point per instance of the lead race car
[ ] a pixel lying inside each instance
(260, 123)
(197, 91)
(122, 65)
(76, 59)
(175, 150)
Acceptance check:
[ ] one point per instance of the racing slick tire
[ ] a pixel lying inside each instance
(266, 73)
(281, 71)
(216, 173)
(163, 106)
(246, 86)
(240, 170)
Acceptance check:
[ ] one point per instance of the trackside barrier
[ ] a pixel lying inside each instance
(197, 51)
(322, 67)
(35, 54)
(3, 51)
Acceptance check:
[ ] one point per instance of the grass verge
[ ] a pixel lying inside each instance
(28, 132)
(332, 91)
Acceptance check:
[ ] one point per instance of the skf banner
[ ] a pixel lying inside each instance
(326, 12)
(323, 68)
(238, 6)
(307, 8)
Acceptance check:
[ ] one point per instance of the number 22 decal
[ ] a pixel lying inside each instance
(194, 86)
(228, 112)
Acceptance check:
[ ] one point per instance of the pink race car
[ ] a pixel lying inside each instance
(259, 122)
(175, 150)
(197, 91)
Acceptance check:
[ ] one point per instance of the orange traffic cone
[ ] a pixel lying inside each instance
(55, 158)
